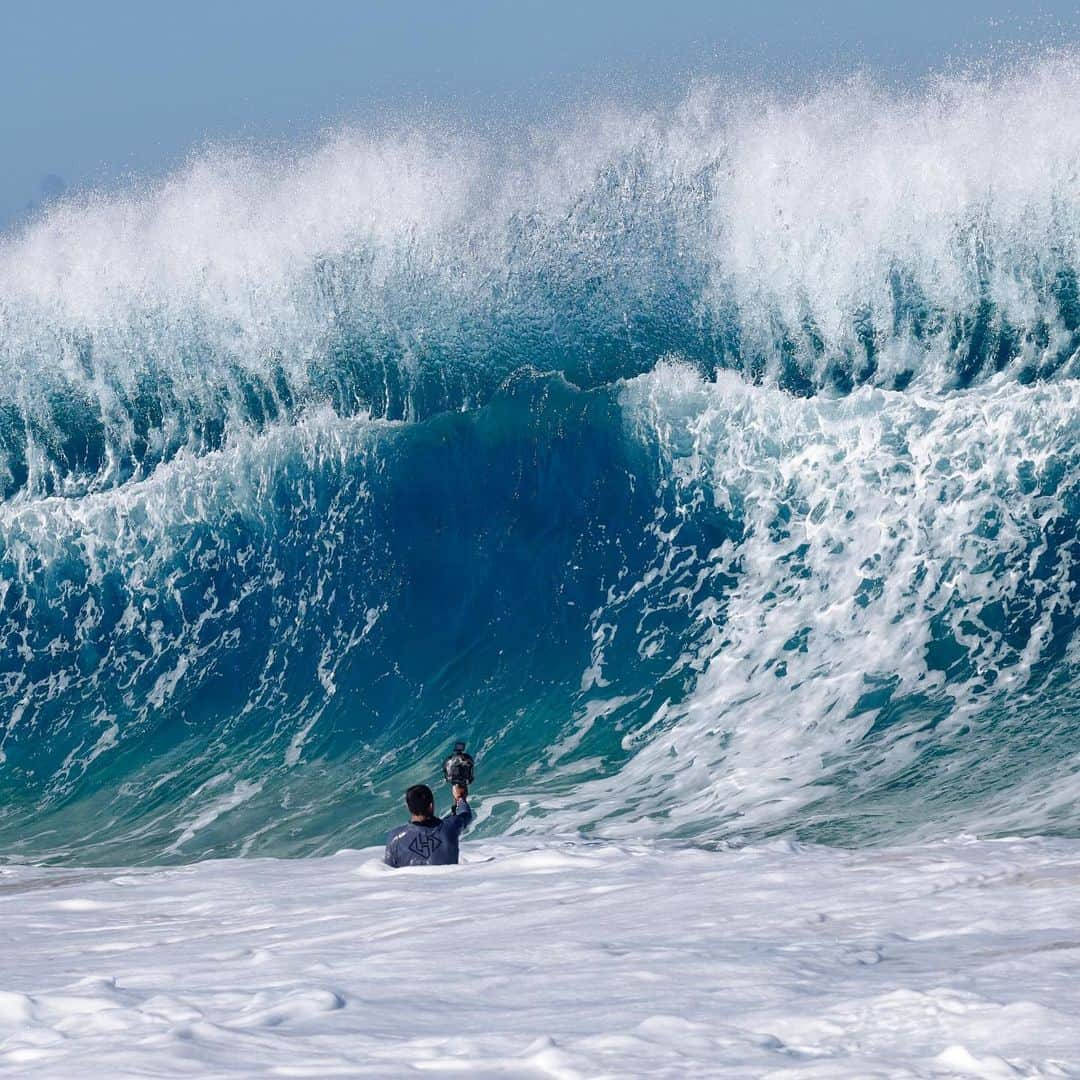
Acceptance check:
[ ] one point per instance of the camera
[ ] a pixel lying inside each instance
(458, 767)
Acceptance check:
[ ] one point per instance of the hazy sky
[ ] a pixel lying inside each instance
(92, 92)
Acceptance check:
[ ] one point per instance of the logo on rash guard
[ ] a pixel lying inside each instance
(425, 844)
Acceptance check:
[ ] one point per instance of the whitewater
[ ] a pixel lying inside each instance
(565, 959)
(711, 470)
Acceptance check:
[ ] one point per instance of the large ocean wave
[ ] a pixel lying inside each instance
(713, 472)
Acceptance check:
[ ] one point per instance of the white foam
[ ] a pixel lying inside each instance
(572, 959)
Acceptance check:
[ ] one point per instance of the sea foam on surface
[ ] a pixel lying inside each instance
(568, 959)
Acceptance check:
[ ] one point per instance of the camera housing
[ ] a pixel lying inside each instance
(459, 766)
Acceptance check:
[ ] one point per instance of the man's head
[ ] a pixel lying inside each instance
(420, 801)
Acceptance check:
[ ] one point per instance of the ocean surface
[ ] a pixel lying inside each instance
(713, 471)
(553, 959)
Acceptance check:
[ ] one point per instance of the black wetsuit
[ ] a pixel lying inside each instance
(432, 842)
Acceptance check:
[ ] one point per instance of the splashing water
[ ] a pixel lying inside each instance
(713, 473)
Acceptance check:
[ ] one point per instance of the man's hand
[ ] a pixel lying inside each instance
(460, 792)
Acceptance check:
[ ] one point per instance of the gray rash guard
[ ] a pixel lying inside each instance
(433, 842)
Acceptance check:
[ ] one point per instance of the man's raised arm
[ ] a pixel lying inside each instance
(463, 814)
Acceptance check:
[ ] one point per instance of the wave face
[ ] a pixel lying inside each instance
(714, 473)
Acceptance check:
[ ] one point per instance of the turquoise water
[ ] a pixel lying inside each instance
(714, 473)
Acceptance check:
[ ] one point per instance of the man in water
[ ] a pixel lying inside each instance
(428, 840)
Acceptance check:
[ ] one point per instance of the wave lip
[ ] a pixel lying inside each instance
(847, 237)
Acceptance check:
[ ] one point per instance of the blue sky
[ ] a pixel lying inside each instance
(91, 93)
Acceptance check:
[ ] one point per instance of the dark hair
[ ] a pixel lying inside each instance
(419, 799)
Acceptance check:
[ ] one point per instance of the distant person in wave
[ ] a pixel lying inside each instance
(428, 840)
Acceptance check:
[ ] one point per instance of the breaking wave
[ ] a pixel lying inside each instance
(714, 473)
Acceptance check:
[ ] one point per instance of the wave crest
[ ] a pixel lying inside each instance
(851, 236)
